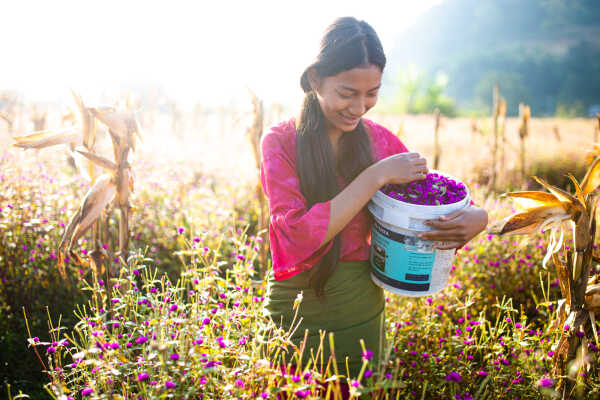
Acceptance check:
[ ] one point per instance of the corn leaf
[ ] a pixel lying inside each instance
(591, 180)
(529, 221)
(42, 139)
(558, 192)
(97, 159)
(532, 199)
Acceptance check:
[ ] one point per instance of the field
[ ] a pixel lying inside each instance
(183, 316)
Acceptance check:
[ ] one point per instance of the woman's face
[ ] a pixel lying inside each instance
(347, 96)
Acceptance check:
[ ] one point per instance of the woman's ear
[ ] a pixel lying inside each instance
(313, 79)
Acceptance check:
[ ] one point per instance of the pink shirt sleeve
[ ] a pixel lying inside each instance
(295, 233)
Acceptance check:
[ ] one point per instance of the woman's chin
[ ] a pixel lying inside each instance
(349, 127)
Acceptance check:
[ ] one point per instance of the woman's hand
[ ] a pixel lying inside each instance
(401, 168)
(457, 228)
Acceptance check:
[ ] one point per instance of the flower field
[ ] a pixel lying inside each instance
(184, 316)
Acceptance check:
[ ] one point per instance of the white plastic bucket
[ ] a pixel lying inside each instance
(401, 262)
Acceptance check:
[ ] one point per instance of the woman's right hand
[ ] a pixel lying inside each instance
(401, 168)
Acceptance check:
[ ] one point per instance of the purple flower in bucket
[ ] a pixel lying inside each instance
(435, 189)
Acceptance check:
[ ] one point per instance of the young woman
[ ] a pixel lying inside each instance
(318, 172)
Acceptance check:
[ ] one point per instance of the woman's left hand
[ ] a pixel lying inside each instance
(457, 228)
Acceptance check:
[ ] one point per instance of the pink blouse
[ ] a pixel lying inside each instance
(295, 233)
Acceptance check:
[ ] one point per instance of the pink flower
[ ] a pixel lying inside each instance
(545, 382)
(169, 385)
(453, 377)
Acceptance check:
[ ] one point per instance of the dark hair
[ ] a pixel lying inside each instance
(347, 43)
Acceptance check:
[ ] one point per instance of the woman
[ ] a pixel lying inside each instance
(318, 172)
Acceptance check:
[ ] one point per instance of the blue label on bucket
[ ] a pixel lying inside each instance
(401, 261)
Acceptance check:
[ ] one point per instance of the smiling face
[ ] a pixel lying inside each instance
(347, 96)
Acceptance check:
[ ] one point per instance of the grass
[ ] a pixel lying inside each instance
(194, 230)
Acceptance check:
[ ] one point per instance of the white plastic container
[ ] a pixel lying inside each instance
(401, 262)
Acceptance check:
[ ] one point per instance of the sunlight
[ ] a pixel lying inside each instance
(194, 53)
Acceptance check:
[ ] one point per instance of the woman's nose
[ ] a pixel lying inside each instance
(357, 108)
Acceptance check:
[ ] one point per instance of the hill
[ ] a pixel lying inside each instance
(543, 52)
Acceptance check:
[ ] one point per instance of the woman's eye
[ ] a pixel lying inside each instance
(344, 96)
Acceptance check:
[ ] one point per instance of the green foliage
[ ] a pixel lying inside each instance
(570, 110)
(549, 49)
(418, 94)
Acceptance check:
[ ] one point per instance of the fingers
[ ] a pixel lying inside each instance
(455, 223)
(452, 215)
(444, 235)
(448, 245)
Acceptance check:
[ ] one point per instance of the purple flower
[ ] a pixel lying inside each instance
(453, 377)
(303, 393)
(482, 373)
(169, 385)
(368, 373)
(545, 382)
(367, 355)
(174, 357)
(87, 391)
(173, 307)
(51, 350)
(141, 339)
(142, 377)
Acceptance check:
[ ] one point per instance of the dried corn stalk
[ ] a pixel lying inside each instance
(123, 127)
(254, 133)
(524, 114)
(581, 296)
(436, 139)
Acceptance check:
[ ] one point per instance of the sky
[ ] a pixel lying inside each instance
(206, 52)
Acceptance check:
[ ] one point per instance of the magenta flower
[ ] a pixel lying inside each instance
(51, 350)
(453, 377)
(174, 357)
(141, 339)
(142, 377)
(367, 355)
(173, 307)
(302, 394)
(545, 382)
(87, 391)
(435, 189)
(169, 385)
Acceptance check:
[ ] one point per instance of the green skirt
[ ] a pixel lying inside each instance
(353, 310)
